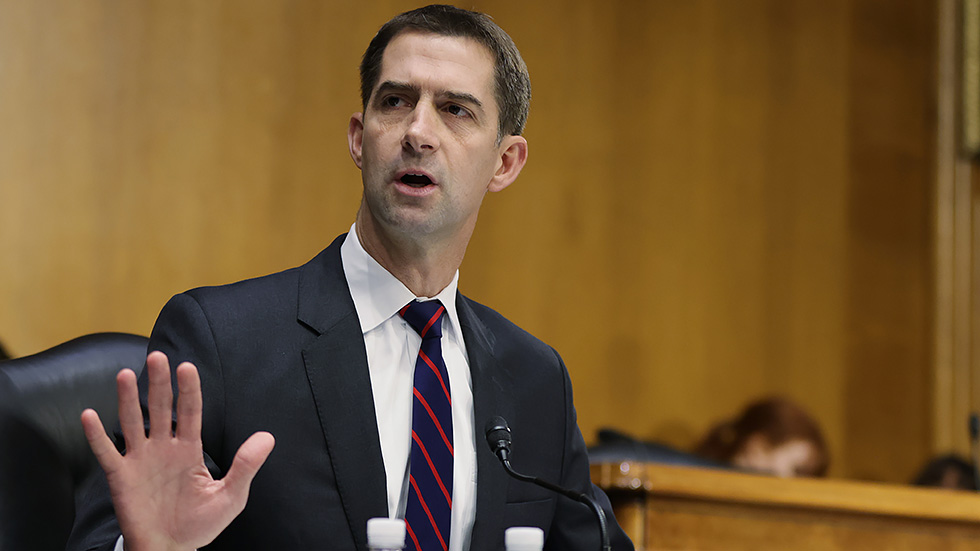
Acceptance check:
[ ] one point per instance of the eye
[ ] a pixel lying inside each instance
(392, 102)
(457, 110)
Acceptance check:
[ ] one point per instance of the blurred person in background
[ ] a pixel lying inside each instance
(772, 436)
(948, 471)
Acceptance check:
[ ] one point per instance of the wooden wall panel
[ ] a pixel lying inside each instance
(738, 190)
(891, 167)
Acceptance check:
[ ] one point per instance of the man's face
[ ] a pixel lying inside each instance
(427, 141)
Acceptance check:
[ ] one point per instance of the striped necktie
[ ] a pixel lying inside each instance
(430, 492)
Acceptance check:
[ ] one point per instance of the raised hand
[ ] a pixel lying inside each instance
(163, 494)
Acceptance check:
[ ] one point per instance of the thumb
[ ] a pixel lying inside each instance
(249, 458)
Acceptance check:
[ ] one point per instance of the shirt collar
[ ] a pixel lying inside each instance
(378, 295)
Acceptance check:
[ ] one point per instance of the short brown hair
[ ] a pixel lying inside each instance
(512, 84)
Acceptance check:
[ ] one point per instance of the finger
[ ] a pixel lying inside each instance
(130, 414)
(249, 458)
(188, 402)
(160, 395)
(102, 446)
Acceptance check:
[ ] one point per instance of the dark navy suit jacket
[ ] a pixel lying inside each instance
(284, 353)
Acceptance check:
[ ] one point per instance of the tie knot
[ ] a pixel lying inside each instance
(424, 317)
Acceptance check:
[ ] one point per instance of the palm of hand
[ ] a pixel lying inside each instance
(162, 492)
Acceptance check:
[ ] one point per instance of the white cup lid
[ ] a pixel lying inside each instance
(386, 533)
(524, 538)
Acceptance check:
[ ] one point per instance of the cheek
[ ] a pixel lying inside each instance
(792, 457)
(371, 150)
(481, 168)
(378, 133)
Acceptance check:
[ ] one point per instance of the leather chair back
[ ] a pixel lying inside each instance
(44, 456)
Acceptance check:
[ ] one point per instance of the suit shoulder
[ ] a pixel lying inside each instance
(269, 293)
(505, 335)
(257, 292)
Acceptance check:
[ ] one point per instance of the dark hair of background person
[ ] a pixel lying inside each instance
(776, 419)
(512, 82)
(3, 353)
(948, 471)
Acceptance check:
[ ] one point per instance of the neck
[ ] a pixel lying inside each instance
(424, 265)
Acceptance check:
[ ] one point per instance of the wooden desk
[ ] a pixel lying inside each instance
(669, 508)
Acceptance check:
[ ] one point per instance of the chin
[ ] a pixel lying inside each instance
(410, 226)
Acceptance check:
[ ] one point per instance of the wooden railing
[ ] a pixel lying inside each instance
(693, 509)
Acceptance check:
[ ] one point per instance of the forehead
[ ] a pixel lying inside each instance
(439, 63)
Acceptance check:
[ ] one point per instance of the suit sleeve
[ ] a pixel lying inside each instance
(183, 333)
(574, 526)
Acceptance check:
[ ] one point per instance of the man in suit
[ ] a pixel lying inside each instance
(320, 357)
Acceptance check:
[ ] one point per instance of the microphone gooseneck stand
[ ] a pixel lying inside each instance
(498, 437)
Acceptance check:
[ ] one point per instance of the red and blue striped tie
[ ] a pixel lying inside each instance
(430, 491)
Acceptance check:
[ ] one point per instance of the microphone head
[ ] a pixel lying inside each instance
(498, 434)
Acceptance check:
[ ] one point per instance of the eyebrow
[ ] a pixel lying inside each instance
(463, 97)
(390, 85)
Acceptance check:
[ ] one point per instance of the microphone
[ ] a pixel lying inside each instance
(498, 437)
(975, 447)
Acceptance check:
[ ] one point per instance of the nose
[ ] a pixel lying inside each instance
(421, 136)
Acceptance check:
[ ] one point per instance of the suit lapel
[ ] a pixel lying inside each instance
(336, 366)
(490, 398)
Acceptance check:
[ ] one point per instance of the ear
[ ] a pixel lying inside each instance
(513, 155)
(355, 135)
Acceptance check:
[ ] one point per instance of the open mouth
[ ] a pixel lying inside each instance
(416, 180)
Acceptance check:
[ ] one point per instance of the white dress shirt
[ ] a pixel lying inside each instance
(392, 348)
